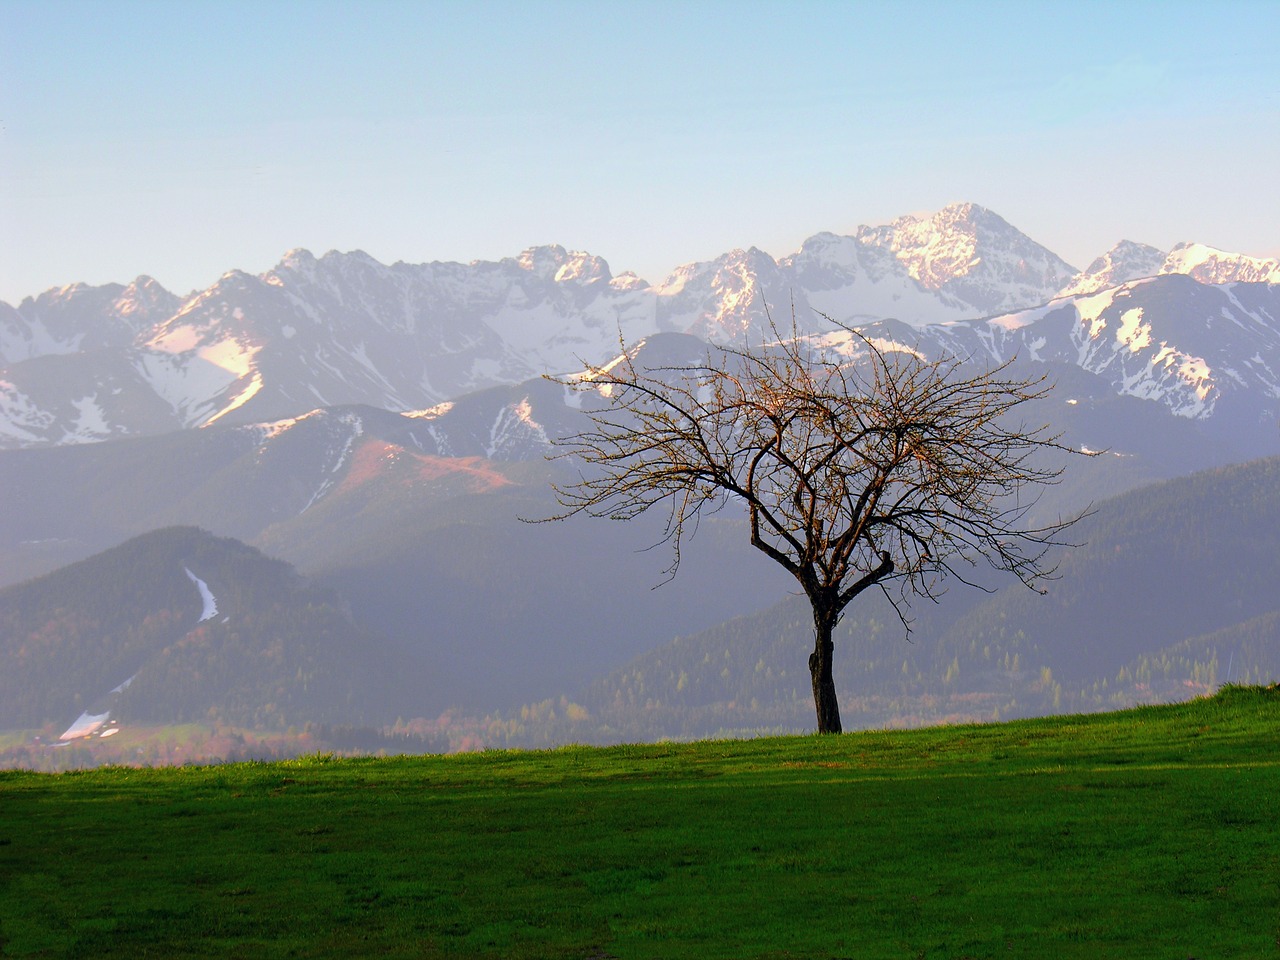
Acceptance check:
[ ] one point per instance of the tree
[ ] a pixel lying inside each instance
(860, 464)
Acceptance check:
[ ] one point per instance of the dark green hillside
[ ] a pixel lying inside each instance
(750, 675)
(69, 637)
(1175, 586)
(1150, 833)
(1161, 565)
(277, 652)
(1247, 652)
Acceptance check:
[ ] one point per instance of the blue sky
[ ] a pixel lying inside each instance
(184, 139)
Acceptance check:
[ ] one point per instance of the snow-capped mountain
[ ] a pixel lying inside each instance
(1124, 262)
(969, 253)
(81, 319)
(1133, 261)
(1200, 351)
(83, 364)
(314, 332)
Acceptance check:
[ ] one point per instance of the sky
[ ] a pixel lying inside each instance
(182, 140)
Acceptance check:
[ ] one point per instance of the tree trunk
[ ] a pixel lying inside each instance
(824, 686)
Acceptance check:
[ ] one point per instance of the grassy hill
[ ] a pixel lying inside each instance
(1148, 833)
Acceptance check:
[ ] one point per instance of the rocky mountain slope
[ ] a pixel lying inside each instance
(1200, 351)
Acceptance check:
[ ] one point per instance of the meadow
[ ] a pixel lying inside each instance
(1147, 833)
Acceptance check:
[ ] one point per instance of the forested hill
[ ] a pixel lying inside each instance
(1172, 592)
(275, 651)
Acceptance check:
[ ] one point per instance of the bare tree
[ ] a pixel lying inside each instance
(859, 468)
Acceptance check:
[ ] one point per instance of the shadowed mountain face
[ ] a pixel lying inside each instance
(247, 481)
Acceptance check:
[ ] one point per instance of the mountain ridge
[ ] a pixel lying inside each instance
(84, 364)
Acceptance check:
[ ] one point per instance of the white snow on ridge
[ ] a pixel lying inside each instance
(430, 413)
(355, 432)
(1133, 332)
(514, 424)
(177, 340)
(238, 400)
(1090, 310)
(269, 430)
(1211, 265)
(347, 329)
(210, 604)
(91, 423)
(232, 355)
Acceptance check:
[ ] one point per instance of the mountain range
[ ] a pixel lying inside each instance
(82, 364)
(383, 431)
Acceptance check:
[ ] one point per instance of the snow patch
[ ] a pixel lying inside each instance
(430, 413)
(1133, 332)
(91, 424)
(231, 355)
(273, 429)
(1090, 311)
(1211, 265)
(524, 412)
(239, 400)
(514, 424)
(1014, 321)
(182, 339)
(206, 595)
(196, 385)
(86, 725)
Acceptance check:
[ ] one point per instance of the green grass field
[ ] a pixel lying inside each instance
(1152, 833)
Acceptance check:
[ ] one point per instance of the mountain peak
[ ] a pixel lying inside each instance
(543, 261)
(146, 301)
(554, 262)
(968, 212)
(351, 256)
(297, 255)
(973, 254)
(583, 268)
(1124, 262)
